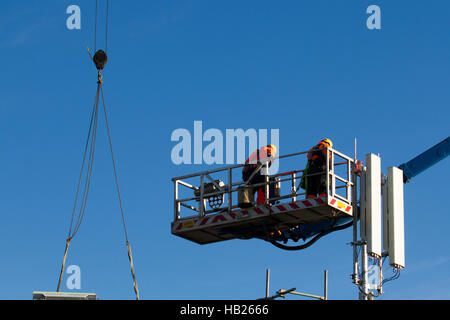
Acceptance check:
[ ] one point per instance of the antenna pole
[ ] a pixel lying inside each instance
(365, 279)
(356, 218)
(267, 282)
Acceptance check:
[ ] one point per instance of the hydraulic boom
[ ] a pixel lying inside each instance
(425, 160)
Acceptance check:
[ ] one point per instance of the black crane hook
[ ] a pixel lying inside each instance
(100, 59)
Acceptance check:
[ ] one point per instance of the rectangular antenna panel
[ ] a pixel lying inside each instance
(385, 192)
(373, 205)
(362, 205)
(396, 218)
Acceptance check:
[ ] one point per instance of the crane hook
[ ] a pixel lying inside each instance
(100, 59)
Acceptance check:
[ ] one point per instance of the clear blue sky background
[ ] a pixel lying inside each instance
(308, 68)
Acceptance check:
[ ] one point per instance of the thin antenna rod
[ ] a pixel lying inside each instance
(267, 282)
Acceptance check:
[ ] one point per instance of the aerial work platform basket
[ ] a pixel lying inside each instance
(212, 210)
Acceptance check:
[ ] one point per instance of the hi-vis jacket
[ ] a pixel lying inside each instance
(263, 155)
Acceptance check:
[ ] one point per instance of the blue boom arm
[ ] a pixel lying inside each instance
(425, 160)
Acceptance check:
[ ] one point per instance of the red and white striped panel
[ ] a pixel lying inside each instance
(300, 204)
(341, 205)
(243, 214)
(220, 218)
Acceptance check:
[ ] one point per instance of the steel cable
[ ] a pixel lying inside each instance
(130, 257)
(73, 230)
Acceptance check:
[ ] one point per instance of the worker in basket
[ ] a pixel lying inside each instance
(312, 181)
(262, 156)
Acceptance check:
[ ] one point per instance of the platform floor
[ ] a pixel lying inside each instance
(255, 221)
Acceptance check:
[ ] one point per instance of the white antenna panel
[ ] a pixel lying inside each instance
(373, 205)
(385, 193)
(396, 218)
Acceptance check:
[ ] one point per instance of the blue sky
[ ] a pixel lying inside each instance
(310, 69)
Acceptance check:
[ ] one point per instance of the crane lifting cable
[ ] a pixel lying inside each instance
(100, 58)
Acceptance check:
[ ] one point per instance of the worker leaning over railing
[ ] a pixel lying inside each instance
(313, 182)
(253, 163)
